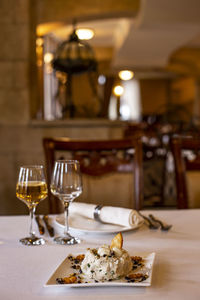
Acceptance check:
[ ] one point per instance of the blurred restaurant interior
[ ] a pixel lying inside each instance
(56, 83)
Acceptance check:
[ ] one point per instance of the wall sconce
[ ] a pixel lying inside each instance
(118, 92)
(48, 58)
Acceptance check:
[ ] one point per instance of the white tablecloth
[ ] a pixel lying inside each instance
(176, 275)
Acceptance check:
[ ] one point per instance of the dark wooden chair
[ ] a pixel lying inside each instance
(98, 158)
(155, 154)
(186, 153)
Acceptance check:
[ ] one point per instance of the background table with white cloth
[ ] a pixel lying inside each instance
(176, 275)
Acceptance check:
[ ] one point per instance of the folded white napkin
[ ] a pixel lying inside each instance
(108, 214)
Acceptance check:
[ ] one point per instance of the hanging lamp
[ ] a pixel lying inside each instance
(75, 56)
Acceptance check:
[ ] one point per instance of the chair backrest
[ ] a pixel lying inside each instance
(157, 190)
(98, 158)
(186, 153)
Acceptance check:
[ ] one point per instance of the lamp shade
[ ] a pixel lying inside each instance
(74, 56)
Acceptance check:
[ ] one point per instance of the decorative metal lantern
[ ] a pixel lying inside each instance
(75, 56)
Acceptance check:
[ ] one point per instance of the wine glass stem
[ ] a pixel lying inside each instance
(31, 213)
(66, 229)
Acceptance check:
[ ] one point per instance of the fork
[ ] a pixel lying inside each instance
(150, 223)
(163, 226)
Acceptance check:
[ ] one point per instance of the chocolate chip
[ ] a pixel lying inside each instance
(60, 280)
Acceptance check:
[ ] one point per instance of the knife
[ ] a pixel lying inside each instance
(49, 227)
(40, 226)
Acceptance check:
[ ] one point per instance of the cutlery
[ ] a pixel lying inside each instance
(40, 226)
(149, 222)
(49, 227)
(164, 227)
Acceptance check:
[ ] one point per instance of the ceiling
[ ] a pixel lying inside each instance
(162, 40)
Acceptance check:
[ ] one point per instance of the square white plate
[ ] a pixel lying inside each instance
(64, 270)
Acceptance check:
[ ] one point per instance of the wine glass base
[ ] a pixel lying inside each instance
(32, 241)
(62, 240)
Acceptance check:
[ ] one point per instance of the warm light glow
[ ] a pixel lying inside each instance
(48, 57)
(85, 33)
(39, 63)
(118, 90)
(126, 75)
(39, 42)
(45, 28)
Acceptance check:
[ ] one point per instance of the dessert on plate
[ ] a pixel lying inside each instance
(106, 263)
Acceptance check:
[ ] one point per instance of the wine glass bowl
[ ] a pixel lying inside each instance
(66, 184)
(31, 188)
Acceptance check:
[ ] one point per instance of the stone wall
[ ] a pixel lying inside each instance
(14, 61)
(14, 94)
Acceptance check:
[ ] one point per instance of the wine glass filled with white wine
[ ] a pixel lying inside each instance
(31, 189)
(66, 184)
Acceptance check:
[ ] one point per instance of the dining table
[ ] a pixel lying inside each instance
(25, 270)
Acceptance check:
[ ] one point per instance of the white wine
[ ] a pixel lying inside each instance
(31, 192)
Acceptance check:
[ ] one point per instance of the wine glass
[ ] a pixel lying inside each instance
(66, 184)
(31, 189)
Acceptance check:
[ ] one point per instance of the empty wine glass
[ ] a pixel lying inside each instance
(66, 184)
(31, 189)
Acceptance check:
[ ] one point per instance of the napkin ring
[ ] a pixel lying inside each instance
(97, 212)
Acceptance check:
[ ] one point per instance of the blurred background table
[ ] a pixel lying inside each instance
(24, 270)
